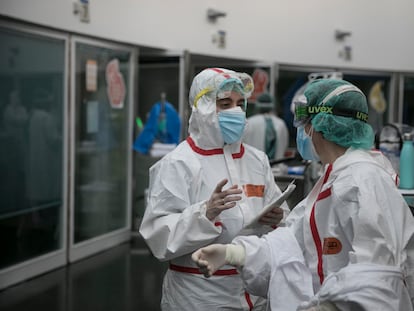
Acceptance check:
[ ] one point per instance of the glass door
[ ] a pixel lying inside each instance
(102, 83)
(33, 148)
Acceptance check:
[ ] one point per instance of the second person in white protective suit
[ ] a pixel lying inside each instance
(349, 245)
(265, 130)
(206, 191)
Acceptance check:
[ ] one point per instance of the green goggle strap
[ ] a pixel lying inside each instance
(304, 112)
(301, 113)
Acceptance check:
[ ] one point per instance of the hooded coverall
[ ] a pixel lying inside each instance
(175, 223)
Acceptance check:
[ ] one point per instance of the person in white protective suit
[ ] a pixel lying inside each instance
(349, 244)
(205, 191)
(265, 130)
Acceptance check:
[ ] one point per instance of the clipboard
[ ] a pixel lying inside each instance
(277, 203)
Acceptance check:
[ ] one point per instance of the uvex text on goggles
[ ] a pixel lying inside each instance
(303, 112)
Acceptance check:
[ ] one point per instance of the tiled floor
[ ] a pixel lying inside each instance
(126, 277)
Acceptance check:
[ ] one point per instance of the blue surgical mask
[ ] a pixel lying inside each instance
(305, 145)
(232, 122)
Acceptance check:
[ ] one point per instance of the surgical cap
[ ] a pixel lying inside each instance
(265, 100)
(347, 131)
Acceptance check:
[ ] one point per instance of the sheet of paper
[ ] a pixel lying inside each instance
(279, 201)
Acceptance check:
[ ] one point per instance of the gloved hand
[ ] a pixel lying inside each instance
(221, 200)
(324, 306)
(211, 258)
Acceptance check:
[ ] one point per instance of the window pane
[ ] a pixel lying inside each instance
(31, 128)
(408, 105)
(102, 142)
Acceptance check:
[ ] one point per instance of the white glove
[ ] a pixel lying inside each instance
(324, 306)
(213, 257)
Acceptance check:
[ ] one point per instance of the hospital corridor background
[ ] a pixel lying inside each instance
(84, 97)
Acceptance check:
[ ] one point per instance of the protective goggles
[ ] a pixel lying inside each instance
(224, 83)
(304, 113)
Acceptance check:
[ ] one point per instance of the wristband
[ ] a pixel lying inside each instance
(235, 255)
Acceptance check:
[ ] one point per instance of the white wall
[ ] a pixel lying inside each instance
(294, 31)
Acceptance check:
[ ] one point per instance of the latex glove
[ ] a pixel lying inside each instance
(273, 217)
(324, 306)
(221, 200)
(211, 258)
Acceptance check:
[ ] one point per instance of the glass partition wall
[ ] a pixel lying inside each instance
(33, 141)
(65, 168)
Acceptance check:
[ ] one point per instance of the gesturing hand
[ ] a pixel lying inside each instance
(221, 200)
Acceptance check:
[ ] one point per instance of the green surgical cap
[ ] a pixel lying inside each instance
(265, 98)
(265, 102)
(344, 131)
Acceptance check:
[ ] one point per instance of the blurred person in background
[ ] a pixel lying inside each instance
(265, 130)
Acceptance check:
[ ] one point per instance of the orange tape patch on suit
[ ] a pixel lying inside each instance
(254, 190)
(331, 246)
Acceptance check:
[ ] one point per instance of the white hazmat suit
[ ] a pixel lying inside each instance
(357, 236)
(256, 133)
(175, 222)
